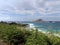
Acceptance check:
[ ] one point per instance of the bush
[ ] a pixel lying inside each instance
(11, 35)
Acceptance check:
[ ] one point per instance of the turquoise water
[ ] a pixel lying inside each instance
(46, 26)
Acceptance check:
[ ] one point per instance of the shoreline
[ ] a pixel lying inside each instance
(31, 26)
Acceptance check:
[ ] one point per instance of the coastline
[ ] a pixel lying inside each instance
(31, 26)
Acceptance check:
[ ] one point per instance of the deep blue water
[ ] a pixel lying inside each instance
(46, 26)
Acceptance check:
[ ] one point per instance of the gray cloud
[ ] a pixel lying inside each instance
(44, 8)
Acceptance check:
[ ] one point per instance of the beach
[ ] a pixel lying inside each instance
(45, 32)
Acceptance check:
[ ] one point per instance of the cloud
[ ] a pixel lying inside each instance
(44, 8)
(41, 6)
(4, 18)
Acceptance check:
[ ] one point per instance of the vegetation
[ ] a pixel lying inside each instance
(14, 34)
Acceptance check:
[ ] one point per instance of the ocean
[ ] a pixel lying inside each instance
(45, 26)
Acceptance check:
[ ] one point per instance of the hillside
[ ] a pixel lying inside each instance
(13, 34)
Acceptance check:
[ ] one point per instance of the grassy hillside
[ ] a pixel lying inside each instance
(14, 34)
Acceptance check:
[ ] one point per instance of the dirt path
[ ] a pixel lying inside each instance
(2, 43)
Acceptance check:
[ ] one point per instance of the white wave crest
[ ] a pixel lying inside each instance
(31, 25)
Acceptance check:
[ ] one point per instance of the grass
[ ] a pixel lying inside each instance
(14, 34)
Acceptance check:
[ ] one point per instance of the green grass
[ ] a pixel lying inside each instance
(17, 35)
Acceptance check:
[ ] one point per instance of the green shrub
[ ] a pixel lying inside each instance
(12, 35)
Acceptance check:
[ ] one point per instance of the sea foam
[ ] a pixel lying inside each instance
(31, 25)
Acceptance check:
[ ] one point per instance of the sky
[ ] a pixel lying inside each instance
(29, 10)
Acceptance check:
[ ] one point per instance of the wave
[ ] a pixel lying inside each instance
(31, 25)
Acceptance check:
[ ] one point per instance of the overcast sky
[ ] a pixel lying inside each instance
(27, 10)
